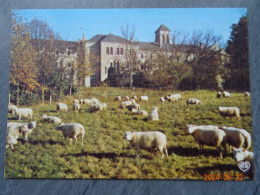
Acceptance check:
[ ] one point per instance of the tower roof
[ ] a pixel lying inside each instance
(162, 28)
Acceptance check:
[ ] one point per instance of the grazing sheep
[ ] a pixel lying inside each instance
(97, 107)
(162, 99)
(62, 107)
(117, 98)
(193, 101)
(173, 97)
(76, 107)
(52, 119)
(11, 109)
(133, 106)
(127, 98)
(76, 101)
(139, 112)
(72, 130)
(219, 94)
(247, 94)
(147, 140)
(144, 98)
(154, 114)
(24, 128)
(237, 137)
(208, 136)
(94, 100)
(225, 94)
(241, 154)
(23, 112)
(10, 141)
(134, 98)
(229, 111)
(87, 101)
(123, 104)
(81, 101)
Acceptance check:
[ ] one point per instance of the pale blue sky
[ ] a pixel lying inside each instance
(72, 23)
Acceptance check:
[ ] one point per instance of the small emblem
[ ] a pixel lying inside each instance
(244, 166)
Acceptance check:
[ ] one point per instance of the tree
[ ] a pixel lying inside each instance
(238, 66)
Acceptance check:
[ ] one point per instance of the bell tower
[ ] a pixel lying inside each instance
(162, 36)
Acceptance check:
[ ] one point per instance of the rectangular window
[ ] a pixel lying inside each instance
(117, 51)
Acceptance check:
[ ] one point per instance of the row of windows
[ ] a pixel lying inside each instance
(119, 51)
(167, 37)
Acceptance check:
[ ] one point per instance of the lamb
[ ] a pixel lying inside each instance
(76, 101)
(72, 130)
(154, 114)
(127, 98)
(23, 112)
(98, 107)
(123, 104)
(225, 94)
(193, 101)
(139, 112)
(62, 107)
(10, 141)
(247, 94)
(241, 154)
(237, 137)
(23, 128)
(87, 101)
(162, 99)
(94, 100)
(208, 136)
(52, 119)
(219, 94)
(229, 111)
(134, 98)
(117, 98)
(147, 140)
(133, 106)
(12, 108)
(144, 98)
(76, 107)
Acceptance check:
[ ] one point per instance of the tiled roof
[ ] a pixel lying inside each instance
(162, 28)
(97, 38)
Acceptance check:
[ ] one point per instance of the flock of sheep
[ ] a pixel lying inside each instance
(210, 135)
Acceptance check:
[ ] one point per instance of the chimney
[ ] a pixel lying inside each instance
(84, 38)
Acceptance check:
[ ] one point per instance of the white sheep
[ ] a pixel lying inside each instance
(23, 112)
(123, 104)
(162, 99)
(94, 100)
(154, 116)
(23, 128)
(11, 109)
(148, 141)
(117, 98)
(219, 94)
(225, 94)
(229, 111)
(94, 107)
(127, 98)
(76, 107)
(193, 101)
(173, 97)
(62, 107)
(209, 136)
(133, 106)
(139, 112)
(76, 101)
(134, 98)
(237, 137)
(144, 98)
(241, 154)
(52, 119)
(10, 141)
(87, 101)
(81, 101)
(247, 94)
(72, 130)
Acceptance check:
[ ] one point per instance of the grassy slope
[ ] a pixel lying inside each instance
(106, 154)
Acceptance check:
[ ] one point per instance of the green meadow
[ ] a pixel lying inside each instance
(106, 155)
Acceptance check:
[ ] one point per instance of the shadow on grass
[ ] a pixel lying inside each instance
(109, 155)
(46, 111)
(12, 118)
(221, 168)
(43, 143)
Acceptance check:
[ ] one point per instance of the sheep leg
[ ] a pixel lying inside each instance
(137, 151)
(220, 152)
(165, 151)
(26, 137)
(70, 141)
(75, 141)
(82, 139)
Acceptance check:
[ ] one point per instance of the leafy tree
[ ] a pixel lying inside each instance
(238, 66)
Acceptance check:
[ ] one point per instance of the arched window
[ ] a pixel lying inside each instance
(111, 50)
(168, 39)
(68, 52)
(107, 50)
(105, 70)
(117, 51)
(163, 37)
(121, 51)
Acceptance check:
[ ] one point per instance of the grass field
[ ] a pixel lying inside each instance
(106, 154)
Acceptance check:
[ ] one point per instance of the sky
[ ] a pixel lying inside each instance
(73, 23)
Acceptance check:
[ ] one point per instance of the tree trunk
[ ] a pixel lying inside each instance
(43, 96)
(79, 90)
(50, 99)
(18, 91)
(70, 88)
